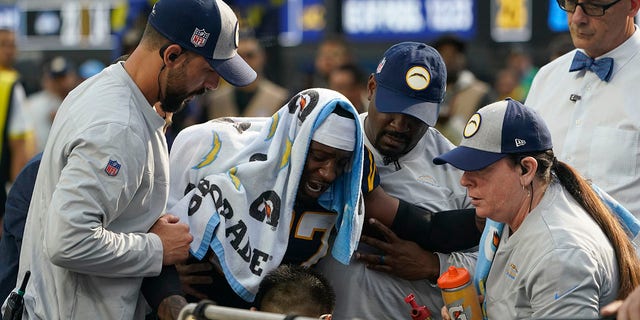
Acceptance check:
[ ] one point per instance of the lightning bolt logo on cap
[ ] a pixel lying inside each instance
(472, 125)
(418, 78)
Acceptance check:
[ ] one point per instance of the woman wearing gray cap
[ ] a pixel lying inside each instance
(561, 253)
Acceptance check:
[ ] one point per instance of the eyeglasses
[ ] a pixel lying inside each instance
(590, 9)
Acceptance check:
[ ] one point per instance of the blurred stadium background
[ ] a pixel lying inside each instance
(291, 30)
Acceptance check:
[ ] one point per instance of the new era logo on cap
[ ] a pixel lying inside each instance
(208, 28)
(496, 130)
(411, 79)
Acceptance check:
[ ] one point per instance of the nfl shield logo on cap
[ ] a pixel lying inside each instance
(199, 37)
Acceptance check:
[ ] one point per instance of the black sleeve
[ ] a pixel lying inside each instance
(156, 289)
(445, 231)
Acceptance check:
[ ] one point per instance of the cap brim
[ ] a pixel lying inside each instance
(235, 70)
(389, 101)
(468, 159)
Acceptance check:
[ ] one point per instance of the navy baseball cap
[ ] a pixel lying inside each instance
(411, 79)
(208, 28)
(496, 130)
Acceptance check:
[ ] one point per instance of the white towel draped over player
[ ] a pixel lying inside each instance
(262, 191)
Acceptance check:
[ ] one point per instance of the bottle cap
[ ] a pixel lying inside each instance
(453, 278)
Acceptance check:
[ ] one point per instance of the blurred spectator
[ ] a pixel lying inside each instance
(351, 81)
(259, 99)
(506, 85)
(129, 19)
(16, 133)
(59, 77)
(131, 38)
(465, 93)
(520, 60)
(560, 45)
(332, 52)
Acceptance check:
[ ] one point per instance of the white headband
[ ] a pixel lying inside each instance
(337, 132)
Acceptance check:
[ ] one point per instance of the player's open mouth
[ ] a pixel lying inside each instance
(314, 187)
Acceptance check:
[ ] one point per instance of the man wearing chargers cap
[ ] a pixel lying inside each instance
(96, 225)
(404, 94)
(560, 252)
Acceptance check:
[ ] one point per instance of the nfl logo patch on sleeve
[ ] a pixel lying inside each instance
(112, 168)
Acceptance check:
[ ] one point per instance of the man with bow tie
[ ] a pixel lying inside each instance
(590, 97)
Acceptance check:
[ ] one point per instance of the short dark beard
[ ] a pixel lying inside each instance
(174, 96)
(173, 100)
(171, 105)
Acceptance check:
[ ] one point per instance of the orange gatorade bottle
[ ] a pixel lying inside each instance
(459, 294)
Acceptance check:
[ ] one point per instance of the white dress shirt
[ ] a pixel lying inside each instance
(598, 130)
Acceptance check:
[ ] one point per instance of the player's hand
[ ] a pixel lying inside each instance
(444, 313)
(629, 309)
(195, 274)
(402, 258)
(175, 238)
(170, 307)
